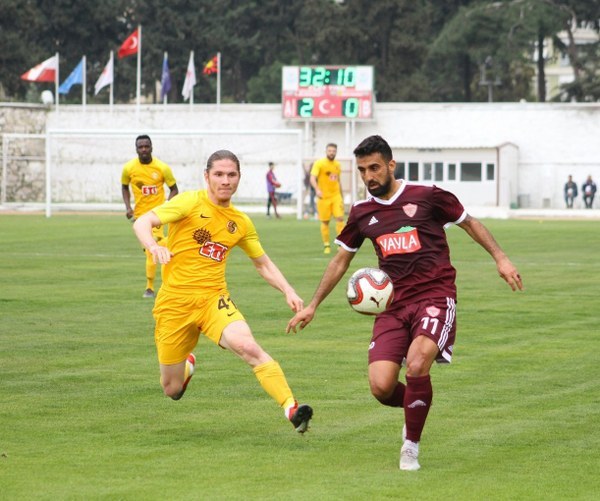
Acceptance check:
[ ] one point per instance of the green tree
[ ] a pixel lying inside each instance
(34, 30)
(20, 50)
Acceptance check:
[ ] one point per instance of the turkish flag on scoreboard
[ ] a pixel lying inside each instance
(130, 45)
(43, 72)
(211, 67)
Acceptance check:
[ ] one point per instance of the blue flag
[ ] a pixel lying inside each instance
(165, 79)
(76, 77)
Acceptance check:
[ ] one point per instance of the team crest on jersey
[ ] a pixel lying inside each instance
(432, 311)
(202, 236)
(409, 209)
(403, 241)
(231, 226)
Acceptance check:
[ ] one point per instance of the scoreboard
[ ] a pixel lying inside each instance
(327, 92)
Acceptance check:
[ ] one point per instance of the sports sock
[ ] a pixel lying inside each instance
(325, 233)
(396, 399)
(271, 378)
(187, 369)
(417, 401)
(339, 226)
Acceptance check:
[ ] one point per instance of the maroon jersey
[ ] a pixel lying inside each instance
(408, 235)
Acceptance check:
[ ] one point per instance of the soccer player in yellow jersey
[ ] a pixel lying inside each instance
(203, 227)
(325, 179)
(147, 176)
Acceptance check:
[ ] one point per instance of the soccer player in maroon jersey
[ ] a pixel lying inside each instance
(405, 223)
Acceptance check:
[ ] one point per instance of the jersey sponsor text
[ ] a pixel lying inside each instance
(404, 242)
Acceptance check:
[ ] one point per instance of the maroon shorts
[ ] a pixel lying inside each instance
(394, 331)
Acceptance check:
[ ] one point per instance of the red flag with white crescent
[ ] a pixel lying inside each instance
(130, 46)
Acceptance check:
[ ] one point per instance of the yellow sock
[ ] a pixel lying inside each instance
(339, 226)
(271, 378)
(325, 233)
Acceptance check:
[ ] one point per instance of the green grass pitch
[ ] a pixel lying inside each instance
(82, 416)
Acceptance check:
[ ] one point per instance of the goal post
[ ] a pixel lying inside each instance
(85, 165)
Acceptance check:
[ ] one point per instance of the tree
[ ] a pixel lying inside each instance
(18, 20)
(422, 50)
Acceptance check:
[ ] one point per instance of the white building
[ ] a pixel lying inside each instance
(505, 155)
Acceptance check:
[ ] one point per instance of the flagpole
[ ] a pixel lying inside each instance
(218, 81)
(192, 92)
(84, 84)
(110, 99)
(56, 79)
(165, 57)
(139, 71)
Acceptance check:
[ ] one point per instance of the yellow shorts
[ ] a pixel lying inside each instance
(159, 237)
(332, 206)
(158, 233)
(181, 317)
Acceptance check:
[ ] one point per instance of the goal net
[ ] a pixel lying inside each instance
(81, 170)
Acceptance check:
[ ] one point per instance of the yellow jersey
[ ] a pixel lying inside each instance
(200, 236)
(147, 183)
(328, 174)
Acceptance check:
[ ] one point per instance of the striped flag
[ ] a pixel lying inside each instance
(43, 72)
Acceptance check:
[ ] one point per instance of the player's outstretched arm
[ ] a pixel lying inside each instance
(273, 276)
(478, 232)
(333, 274)
(143, 231)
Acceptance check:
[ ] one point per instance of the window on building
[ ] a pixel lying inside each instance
(399, 172)
(451, 172)
(413, 171)
(433, 171)
(427, 171)
(490, 172)
(470, 171)
(439, 171)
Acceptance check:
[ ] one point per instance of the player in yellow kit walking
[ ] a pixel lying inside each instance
(203, 227)
(147, 176)
(325, 179)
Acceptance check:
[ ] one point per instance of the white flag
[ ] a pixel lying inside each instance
(106, 77)
(190, 79)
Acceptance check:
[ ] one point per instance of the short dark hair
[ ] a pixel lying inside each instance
(142, 136)
(222, 155)
(374, 144)
(331, 144)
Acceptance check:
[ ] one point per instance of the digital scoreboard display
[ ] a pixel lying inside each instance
(327, 92)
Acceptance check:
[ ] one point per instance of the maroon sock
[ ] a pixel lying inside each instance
(396, 399)
(417, 401)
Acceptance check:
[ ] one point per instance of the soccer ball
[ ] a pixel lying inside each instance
(370, 291)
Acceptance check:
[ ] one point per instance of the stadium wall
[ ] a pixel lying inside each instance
(533, 147)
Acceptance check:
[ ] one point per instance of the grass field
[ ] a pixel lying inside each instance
(515, 416)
